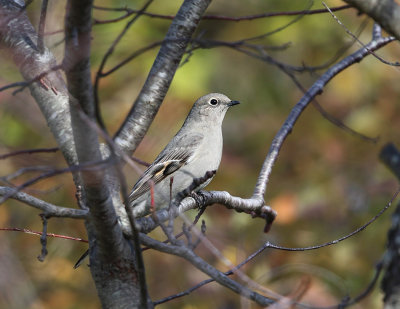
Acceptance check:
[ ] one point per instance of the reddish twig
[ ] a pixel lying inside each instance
(27, 231)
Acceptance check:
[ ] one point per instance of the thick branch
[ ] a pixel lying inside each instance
(109, 249)
(108, 234)
(49, 210)
(384, 12)
(18, 35)
(159, 79)
(76, 61)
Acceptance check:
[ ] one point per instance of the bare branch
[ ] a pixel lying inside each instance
(109, 237)
(199, 263)
(206, 198)
(108, 54)
(19, 37)
(269, 245)
(88, 166)
(27, 151)
(153, 92)
(384, 12)
(76, 62)
(315, 89)
(13, 85)
(50, 210)
(130, 58)
(376, 33)
(28, 231)
(129, 12)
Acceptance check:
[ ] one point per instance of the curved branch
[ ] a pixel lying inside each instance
(50, 210)
(316, 88)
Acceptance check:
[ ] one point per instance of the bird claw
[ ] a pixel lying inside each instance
(199, 198)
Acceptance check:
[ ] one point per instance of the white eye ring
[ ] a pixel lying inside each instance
(213, 102)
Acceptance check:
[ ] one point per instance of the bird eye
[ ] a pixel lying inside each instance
(214, 102)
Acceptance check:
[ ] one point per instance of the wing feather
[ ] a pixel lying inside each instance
(175, 155)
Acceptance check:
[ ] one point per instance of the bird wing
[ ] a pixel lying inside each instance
(175, 155)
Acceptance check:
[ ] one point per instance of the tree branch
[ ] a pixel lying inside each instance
(109, 237)
(206, 198)
(107, 55)
(109, 250)
(129, 12)
(18, 35)
(160, 77)
(315, 89)
(384, 12)
(50, 210)
(203, 266)
(256, 202)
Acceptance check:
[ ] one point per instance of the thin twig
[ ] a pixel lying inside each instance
(315, 89)
(48, 208)
(199, 263)
(27, 151)
(129, 12)
(351, 301)
(13, 85)
(84, 166)
(396, 64)
(335, 121)
(108, 53)
(268, 245)
(27, 231)
(130, 58)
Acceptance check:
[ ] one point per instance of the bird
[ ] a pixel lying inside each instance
(194, 150)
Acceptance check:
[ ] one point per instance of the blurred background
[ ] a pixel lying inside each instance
(325, 184)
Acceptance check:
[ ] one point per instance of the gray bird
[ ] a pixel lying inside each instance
(191, 153)
(195, 150)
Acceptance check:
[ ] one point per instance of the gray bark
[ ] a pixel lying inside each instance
(161, 74)
(384, 12)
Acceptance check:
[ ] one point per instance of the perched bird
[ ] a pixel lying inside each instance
(191, 153)
(195, 150)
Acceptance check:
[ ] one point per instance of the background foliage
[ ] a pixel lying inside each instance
(325, 184)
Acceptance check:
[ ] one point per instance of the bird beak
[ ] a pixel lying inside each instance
(231, 103)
